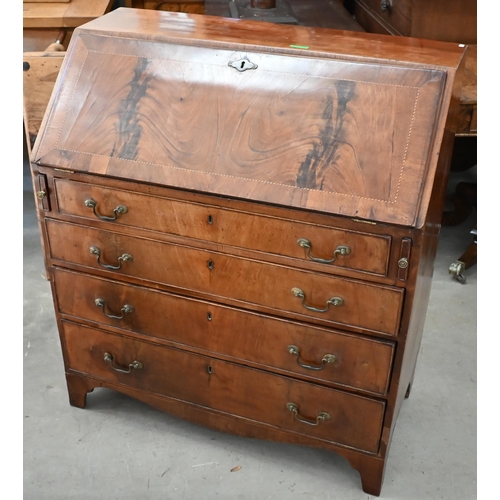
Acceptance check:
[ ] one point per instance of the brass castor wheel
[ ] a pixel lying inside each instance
(456, 269)
(468, 259)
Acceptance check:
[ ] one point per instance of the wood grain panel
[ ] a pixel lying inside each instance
(225, 277)
(354, 421)
(360, 362)
(350, 136)
(272, 235)
(327, 135)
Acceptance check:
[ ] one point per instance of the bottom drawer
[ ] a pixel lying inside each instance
(300, 407)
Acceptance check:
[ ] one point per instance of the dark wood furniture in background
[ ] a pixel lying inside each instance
(451, 21)
(189, 6)
(464, 198)
(446, 20)
(317, 13)
(236, 230)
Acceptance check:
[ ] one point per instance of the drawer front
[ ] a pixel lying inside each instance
(334, 300)
(396, 13)
(317, 353)
(272, 235)
(353, 421)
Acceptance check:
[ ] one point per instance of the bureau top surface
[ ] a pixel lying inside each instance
(331, 121)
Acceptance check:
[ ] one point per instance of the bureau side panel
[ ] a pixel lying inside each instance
(422, 261)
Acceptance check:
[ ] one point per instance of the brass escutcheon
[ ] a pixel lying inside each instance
(242, 64)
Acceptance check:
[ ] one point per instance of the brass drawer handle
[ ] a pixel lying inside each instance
(120, 209)
(135, 365)
(322, 415)
(123, 258)
(126, 309)
(327, 359)
(334, 301)
(340, 250)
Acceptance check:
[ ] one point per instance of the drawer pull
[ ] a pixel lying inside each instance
(327, 358)
(125, 309)
(334, 301)
(322, 415)
(120, 209)
(340, 250)
(123, 258)
(135, 365)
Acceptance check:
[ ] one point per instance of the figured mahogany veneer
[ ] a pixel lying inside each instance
(262, 233)
(224, 386)
(361, 363)
(241, 232)
(220, 276)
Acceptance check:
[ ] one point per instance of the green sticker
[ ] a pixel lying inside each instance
(299, 47)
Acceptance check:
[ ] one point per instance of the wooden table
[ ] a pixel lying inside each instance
(44, 21)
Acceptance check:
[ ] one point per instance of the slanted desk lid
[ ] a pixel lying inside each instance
(195, 102)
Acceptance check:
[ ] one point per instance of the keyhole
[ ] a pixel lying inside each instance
(210, 264)
(210, 219)
(209, 370)
(209, 316)
(242, 64)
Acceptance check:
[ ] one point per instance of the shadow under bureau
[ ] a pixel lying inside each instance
(239, 223)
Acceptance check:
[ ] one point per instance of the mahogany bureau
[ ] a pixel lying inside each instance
(239, 223)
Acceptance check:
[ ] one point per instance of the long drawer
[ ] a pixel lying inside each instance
(317, 353)
(307, 242)
(337, 416)
(311, 295)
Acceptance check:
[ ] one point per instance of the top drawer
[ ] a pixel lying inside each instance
(330, 247)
